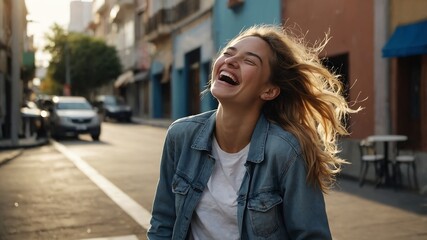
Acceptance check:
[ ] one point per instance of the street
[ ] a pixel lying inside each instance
(81, 189)
(128, 155)
(52, 199)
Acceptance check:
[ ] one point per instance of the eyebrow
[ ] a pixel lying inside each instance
(247, 53)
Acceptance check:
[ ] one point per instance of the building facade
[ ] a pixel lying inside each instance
(186, 36)
(176, 41)
(350, 50)
(391, 86)
(406, 50)
(17, 67)
(380, 48)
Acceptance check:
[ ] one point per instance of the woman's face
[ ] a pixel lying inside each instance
(241, 73)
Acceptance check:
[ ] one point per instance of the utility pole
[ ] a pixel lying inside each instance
(67, 87)
(17, 33)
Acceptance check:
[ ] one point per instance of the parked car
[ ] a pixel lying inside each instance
(35, 120)
(74, 116)
(113, 107)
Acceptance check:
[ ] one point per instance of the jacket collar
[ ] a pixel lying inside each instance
(203, 139)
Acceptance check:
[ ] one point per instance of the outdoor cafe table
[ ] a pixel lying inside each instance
(386, 140)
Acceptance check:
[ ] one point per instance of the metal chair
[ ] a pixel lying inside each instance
(408, 158)
(369, 156)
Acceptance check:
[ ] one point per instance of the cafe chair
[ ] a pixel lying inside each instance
(402, 158)
(369, 156)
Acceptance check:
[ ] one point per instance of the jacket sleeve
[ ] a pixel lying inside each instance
(304, 206)
(163, 213)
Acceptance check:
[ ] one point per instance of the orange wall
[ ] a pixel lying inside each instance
(350, 23)
(405, 12)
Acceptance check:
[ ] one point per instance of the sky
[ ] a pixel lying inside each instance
(42, 15)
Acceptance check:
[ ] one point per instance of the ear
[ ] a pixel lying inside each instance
(270, 93)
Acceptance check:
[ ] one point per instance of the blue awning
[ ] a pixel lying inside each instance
(407, 40)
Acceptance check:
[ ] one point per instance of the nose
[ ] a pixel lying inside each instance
(231, 61)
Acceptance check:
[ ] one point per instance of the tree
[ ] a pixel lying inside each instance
(92, 62)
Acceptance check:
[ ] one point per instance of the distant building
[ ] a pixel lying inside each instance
(80, 15)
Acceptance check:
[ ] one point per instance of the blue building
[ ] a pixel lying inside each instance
(195, 47)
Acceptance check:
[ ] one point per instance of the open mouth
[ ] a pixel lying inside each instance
(223, 76)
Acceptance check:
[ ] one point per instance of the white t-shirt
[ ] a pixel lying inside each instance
(215, 216)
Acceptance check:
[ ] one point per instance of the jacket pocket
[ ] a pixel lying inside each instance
(180, 188)
(263, 213)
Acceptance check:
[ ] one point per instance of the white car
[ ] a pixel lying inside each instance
(74, 116)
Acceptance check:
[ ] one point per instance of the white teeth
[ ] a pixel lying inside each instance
(223, 73)
(227, 74)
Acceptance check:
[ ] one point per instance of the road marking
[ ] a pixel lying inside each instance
(129, 237)
(126, 203)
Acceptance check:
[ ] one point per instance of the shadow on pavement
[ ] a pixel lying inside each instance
(405, 199)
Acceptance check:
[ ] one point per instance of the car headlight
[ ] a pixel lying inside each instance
(64, 120)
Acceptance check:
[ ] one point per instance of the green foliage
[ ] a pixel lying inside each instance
(92, 62)
(50, 87)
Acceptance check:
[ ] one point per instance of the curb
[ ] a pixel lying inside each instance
(25, 144)
(10, 155)
(9, 152)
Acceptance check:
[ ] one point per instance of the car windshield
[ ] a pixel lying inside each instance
(74, 105)
(114, 101)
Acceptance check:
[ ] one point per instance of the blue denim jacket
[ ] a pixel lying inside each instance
(274, 200)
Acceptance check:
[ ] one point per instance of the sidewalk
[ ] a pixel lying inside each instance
(366, 213)
(8, 151)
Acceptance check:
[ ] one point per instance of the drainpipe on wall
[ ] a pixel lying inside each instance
(381, 68)
(16, 66)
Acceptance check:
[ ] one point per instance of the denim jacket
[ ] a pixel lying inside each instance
(274, 200)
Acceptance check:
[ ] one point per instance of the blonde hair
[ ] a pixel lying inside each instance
(310, 104)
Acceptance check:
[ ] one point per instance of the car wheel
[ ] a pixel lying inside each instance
(95, 137)
(54, 134)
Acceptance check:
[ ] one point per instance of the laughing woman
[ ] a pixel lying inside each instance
(257, 167)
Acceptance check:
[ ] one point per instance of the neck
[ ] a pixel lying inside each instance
(233, 130)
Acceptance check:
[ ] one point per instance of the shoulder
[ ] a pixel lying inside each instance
(282, 141)
(283, 148)
(199, 118)
(189, 124)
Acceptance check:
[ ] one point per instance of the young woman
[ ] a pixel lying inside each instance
(257, 167)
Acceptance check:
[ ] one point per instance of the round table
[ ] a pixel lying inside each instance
(386, 139)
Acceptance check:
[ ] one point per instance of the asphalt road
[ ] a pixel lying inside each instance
(81, 189)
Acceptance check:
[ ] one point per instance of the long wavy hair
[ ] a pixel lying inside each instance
(310, 105)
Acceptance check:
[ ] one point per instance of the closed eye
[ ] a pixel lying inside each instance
(250, 61)
(226, 53)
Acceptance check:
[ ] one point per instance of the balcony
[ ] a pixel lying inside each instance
(125, 3)
(99, 6)
(127, 57)
(121, 9)
(169, 16)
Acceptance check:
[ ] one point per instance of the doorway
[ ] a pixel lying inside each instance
(193, 65)
(408, 99)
